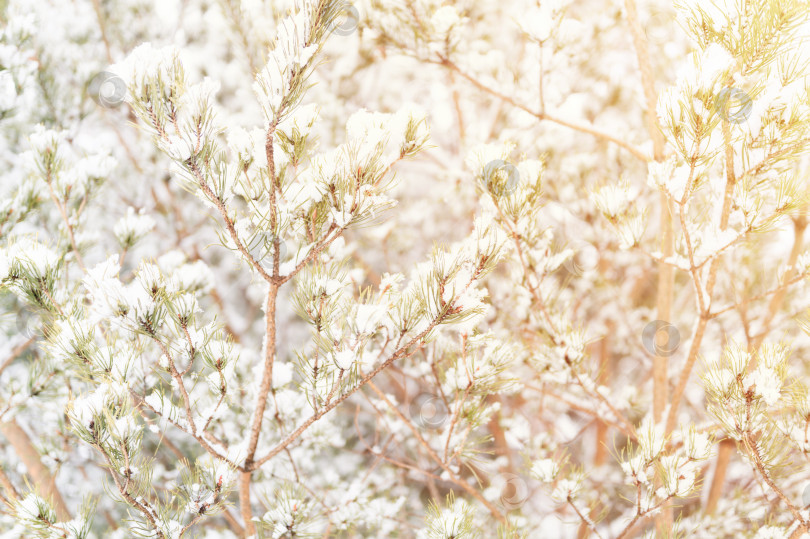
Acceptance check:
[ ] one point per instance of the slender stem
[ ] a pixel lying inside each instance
(601, 449)
(677, 395)
(453, 478)
(68, 226)
(269, 341)
(144, 507)
(400, 353)
(267, 376)
(229, 225)
(666, 273)
(200, 437)
(751, 446)
(586, 521)
(799, 226)
(446, 62)
(782, 287)
(726, 447)
(261, 404)
(103, 28)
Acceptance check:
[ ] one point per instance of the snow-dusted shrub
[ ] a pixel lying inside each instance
(404, 268)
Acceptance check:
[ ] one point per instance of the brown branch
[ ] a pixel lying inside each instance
(223, 211)
(710, 281)
(446, 62)
(8, 486)
(453, 478)
(233, 523)
(400, 353)
(586, 522)
(267, 376)
(68, 226)
(724, 452)
(43, 481)
(261, 401)
(799, 226)
(751, 447)
(200, 437)
(16, 352)
(601, 450)
(144, 508)
(666, 273)
(782, 287)
(103, 28)
(726, 447)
